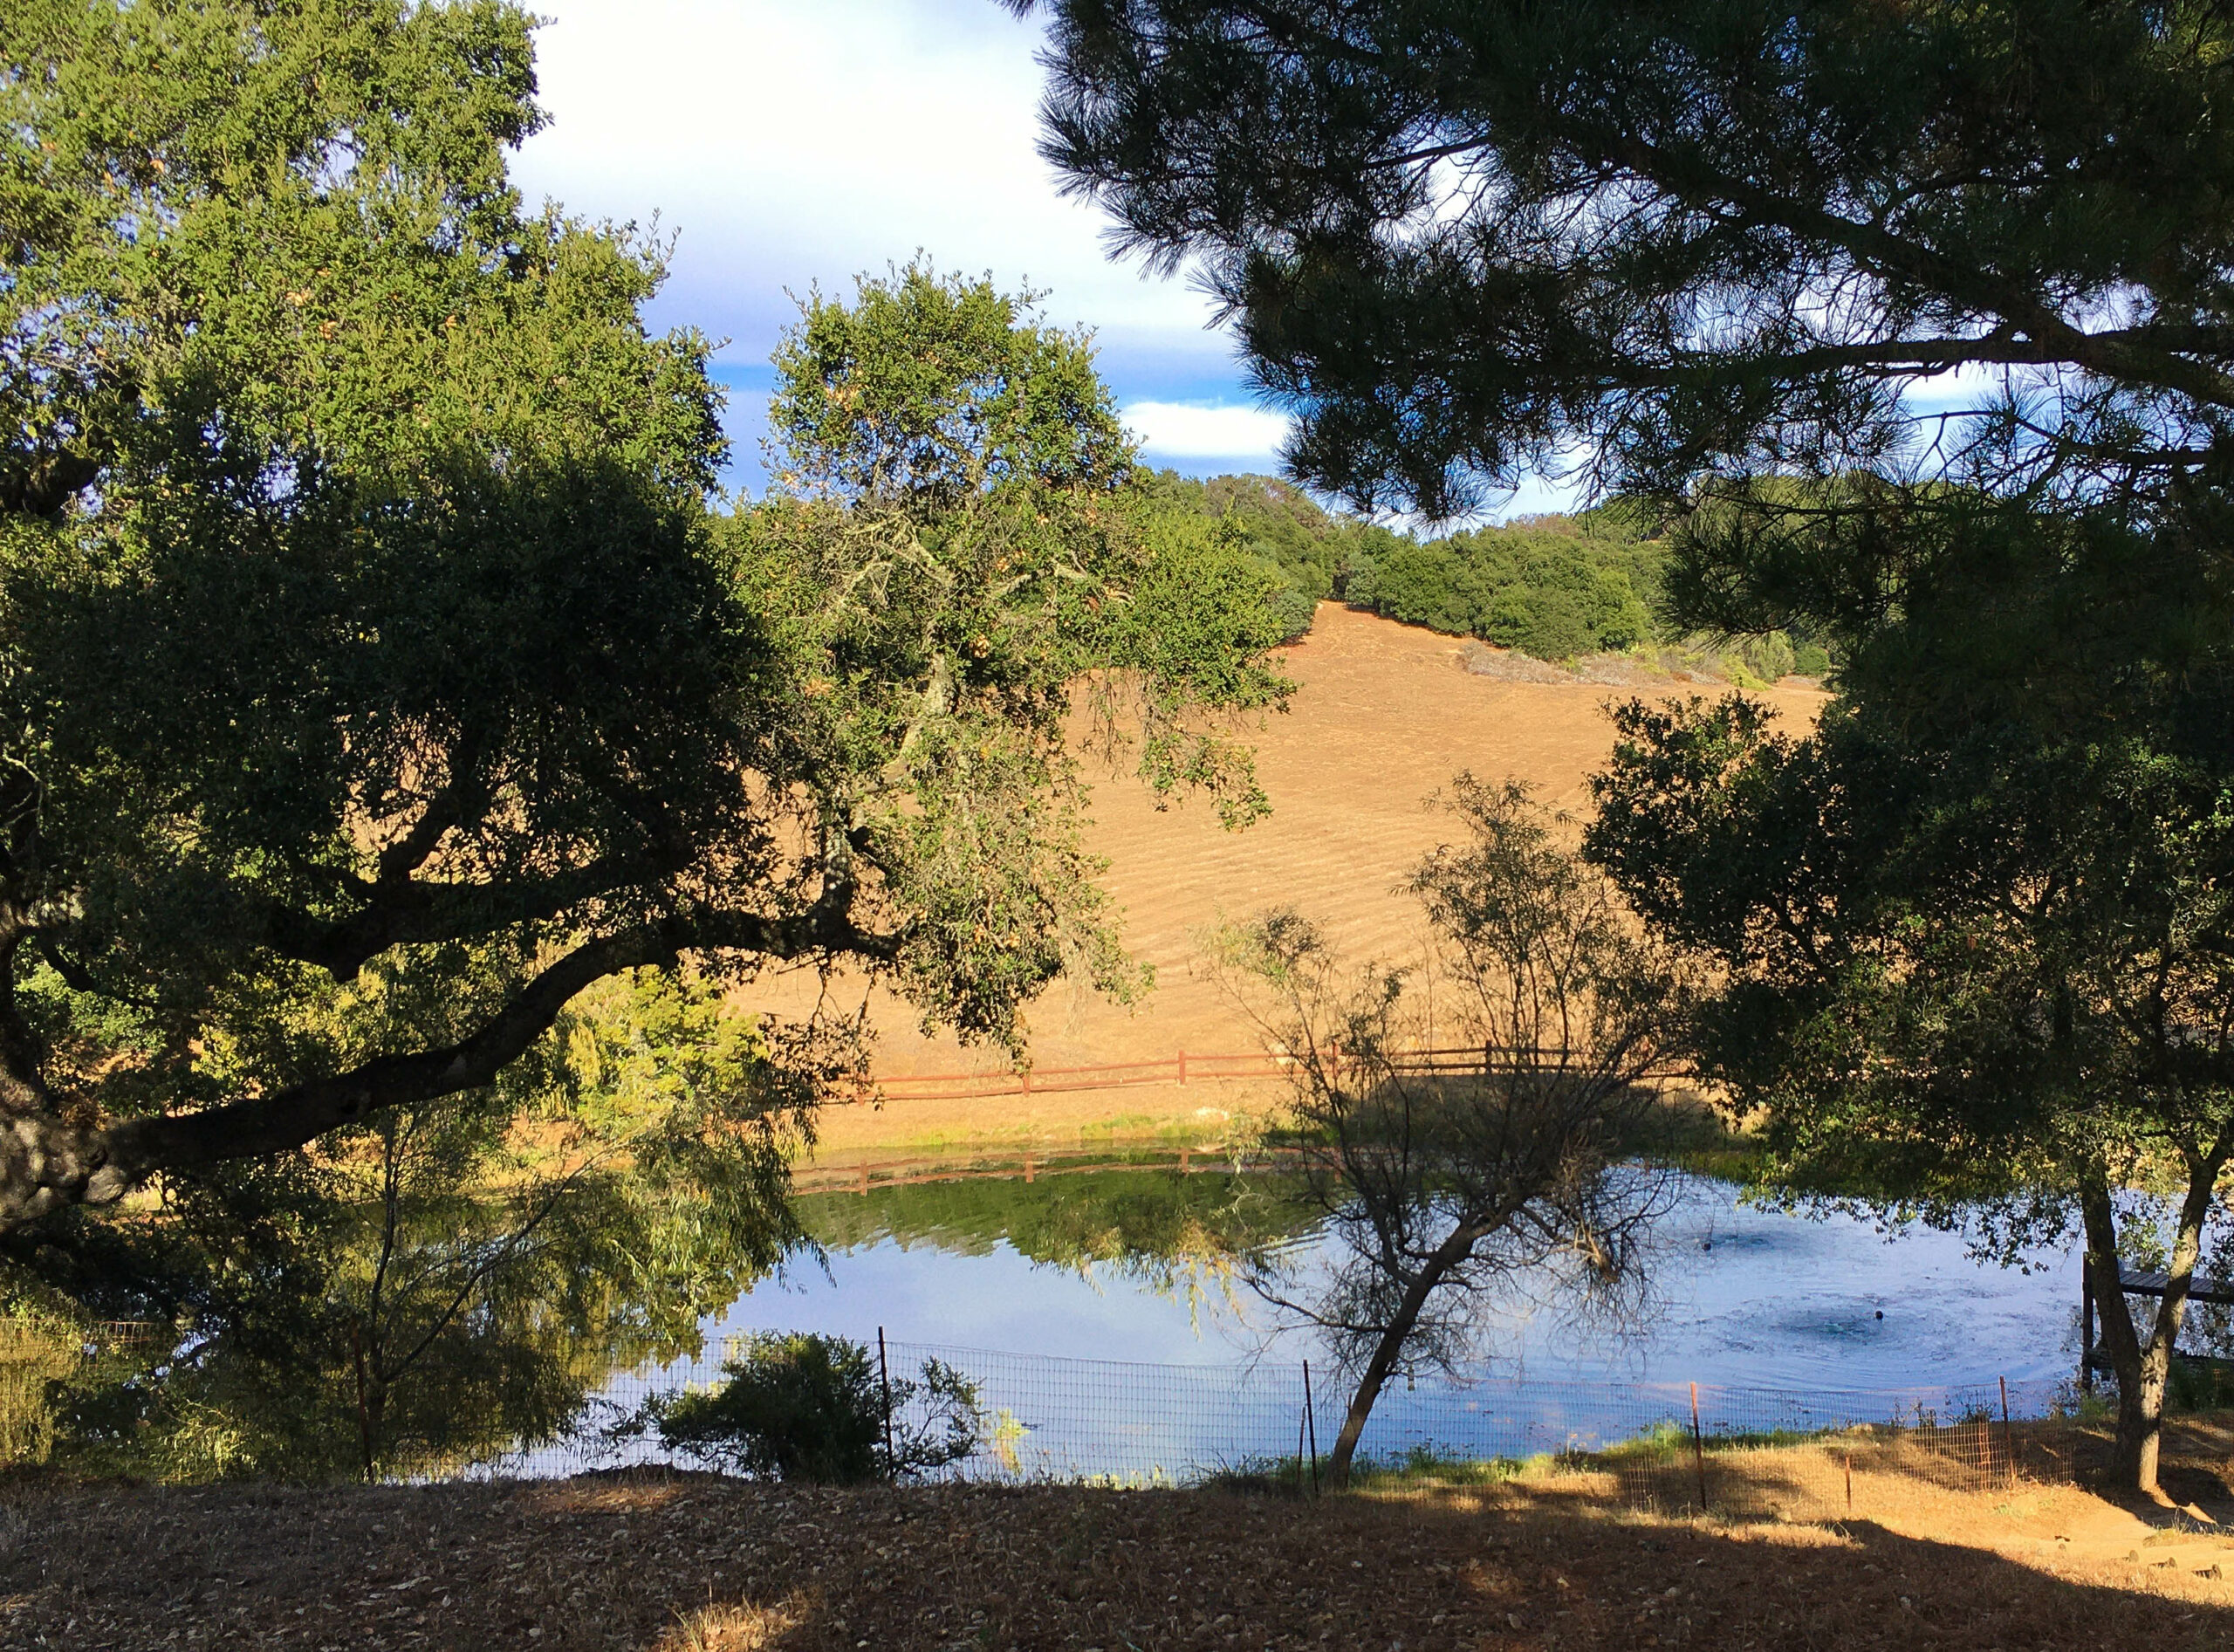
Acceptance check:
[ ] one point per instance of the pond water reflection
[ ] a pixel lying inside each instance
(1133, 1265)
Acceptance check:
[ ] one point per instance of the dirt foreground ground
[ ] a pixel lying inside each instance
(696, 1563)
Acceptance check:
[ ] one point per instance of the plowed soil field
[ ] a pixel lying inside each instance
(1383, 717)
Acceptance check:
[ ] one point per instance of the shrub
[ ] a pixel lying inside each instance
(1550, 586)
(1767, 658)
(1293, 609)
(800, 1406)
(1419, 584)
(1542, 621)
(1315, 553)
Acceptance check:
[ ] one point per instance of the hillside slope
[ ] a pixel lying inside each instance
(1384, 716)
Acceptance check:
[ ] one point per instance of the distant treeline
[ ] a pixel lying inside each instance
(1555, 587)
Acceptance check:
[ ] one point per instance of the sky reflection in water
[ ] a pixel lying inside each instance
(1775, 1301)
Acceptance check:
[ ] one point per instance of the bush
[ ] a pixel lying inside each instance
(1551, 586)
(1766, 658)
(1311, 551)
(800, 1406)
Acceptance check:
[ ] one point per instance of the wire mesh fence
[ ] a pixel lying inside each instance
(36, 1355)
(1801, 1455)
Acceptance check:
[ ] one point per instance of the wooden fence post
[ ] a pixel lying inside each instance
(2086, 1327)
(1182, 1066)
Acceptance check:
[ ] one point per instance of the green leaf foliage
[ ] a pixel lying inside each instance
(1971, 932)
(800, 1406)
(1551, 586)
(1464, 242)
(382, 672)
(1278, 524)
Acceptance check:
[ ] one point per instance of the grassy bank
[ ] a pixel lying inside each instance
(1165, 1116)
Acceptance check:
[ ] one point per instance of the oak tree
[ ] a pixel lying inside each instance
(369, 617)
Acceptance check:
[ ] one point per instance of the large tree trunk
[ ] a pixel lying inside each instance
(2144, 1370)
(1447, 1255)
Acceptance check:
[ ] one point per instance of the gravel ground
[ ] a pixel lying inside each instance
(693, 1564)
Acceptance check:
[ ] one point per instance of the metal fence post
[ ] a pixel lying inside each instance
(884, 1381)
(2008, 1435)
(1698, 1449)
(1311, 1418)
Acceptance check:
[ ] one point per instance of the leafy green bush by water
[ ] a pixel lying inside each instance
(801, 1406)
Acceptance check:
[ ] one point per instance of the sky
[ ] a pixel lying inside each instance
(788, 143)
(791, 143)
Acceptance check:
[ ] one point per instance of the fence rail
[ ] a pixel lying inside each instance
(1032, 1164)
(1186, 1066)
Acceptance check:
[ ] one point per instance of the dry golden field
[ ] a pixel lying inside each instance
(1383, 716)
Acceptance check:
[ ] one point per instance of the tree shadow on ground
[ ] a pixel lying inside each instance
(700, 1564)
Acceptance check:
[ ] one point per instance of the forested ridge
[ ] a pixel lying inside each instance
(1554, 586)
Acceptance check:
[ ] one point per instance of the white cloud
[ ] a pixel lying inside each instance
(1184, 431)
(793, 142)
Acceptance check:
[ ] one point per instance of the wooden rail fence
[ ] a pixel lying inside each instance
(1033, 1166)
(1188, 1067)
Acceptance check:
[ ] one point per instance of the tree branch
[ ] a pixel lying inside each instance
(45, 1163)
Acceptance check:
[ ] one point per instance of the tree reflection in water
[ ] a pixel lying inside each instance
(1188, 1236)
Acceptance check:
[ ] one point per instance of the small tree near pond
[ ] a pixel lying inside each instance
(1972, 969)
(801, 1406)
(1441, 1184)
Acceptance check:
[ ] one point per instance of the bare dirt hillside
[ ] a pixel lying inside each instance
(1384, 716)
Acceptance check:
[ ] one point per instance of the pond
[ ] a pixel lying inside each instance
(1103, 1319)
(1097, 1266)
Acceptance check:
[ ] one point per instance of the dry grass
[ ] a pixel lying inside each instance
(693, 1564)
(1383, 716)
(732, 1626)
